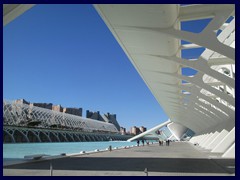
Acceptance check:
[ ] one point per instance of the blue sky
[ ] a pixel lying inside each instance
(65, 54)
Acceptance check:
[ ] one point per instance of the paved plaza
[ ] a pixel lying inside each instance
(178, 159)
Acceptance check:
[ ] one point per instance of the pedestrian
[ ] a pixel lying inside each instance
(160, 143)
(143, 142)
(137, 142)
(167, 142)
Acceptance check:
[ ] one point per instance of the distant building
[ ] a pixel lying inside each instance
(128, 133)
(113, 119)
(43, 105)
(94, 115)
(142, 129)
(123, 131)
(58, 108)
(135, 130)
(73, 111)
(21, 101)
(20, 110)
(109, 118)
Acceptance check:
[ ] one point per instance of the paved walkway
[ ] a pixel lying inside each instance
(178, 159)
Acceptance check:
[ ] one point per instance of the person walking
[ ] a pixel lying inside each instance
(147, 143)
(143, 142)
(137, 142)
(168, 142)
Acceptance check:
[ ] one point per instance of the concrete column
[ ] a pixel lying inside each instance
(192, 139)
(195, 139)
(204, 136)
(230, 153)
(205, 139)
(226, 142)
(217, 139)
(199, 138)
(210, 139)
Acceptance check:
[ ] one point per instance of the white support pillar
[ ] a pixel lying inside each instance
(199, 138)
(202, 138)
(226, 142)
(193, 139)
(230, 153)
(217, 139)
(210, 139)
(206, 139)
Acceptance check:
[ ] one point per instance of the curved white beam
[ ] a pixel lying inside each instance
(202, 66)
(195, 92)
(12, 11)
(197, 80)
(202, 11)
(211, 42)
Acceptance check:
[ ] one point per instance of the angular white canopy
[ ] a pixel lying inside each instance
(150, 36)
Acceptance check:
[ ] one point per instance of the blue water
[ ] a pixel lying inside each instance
(19, 150)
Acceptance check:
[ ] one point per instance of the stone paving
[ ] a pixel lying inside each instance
(178, 159)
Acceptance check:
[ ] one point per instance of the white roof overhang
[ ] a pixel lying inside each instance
(150, 36)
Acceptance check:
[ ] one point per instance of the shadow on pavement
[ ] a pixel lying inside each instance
(185, 165)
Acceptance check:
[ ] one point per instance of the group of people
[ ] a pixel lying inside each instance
(142, 142)
(161, 142)
(167, 142)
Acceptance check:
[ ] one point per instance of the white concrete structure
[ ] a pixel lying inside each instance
(217, 139)
(17, 114)
(11, 11)
(226, 142)
(230, 152)
(151, 35)
(177, 130)
(210, 139)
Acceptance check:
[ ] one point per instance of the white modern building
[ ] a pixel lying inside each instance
(151, 35)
